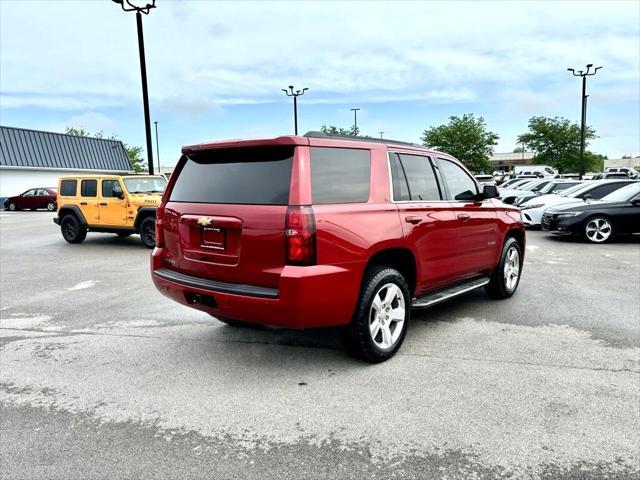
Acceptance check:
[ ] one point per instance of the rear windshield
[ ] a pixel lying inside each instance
(254, 176)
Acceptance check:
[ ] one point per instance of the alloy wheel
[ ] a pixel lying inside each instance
(387, 316)
(598, 230)
(511, 268)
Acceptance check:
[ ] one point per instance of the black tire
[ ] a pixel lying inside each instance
(123, 234)
(12, 207)
(51, 207)
(600, 234)
(148, 232)
(357, 337)
(72, 229)
(498, 287)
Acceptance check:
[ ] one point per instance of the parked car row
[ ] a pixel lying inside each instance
(597, 210)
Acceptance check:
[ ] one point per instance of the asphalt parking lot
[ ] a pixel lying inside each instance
(102, 377)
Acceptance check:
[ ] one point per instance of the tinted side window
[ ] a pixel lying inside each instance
(340, 175)
(460, 185)
(399, 179)
(421, 177)
(111, 188)
(89, 188)
(599, 192)
(68, 188)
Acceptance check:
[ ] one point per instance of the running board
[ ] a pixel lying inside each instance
(441, 295)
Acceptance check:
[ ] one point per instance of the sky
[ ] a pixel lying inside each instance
(216, 69)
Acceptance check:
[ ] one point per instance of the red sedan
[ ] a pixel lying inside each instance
(34, 198)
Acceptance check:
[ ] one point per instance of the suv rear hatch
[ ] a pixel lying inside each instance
(225, 214)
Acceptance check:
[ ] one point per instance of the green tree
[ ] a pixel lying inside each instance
(518, 150)
(333, 130)
(556, 142)
(134, 153)
(465, 138)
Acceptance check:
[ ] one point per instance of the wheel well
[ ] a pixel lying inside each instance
(142, 214)
(64, 211)
(518, 235)
(401, 259)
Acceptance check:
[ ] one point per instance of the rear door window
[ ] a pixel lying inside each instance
(602, 190)
(89, 188)
(253, 176)
(340, 175)
(68, 188)
(421, 178)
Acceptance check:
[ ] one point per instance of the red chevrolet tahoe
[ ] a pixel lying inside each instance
(317, 231)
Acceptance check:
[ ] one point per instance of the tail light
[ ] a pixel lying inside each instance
(160, 226)
(300, 233)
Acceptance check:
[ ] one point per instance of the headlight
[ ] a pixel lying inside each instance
(568, 214)
(535, 205)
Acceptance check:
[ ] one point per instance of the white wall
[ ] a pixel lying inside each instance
(622, 162)
(14, 181)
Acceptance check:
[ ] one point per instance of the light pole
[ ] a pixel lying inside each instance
(128, 6)
(583, 119)
(295, 94)
(355, 120)
(158, 148)
(380, 134)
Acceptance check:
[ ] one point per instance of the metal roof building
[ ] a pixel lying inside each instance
(32, 158)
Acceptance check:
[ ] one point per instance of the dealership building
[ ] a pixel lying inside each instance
(32, 158)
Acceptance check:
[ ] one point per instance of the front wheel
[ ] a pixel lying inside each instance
(148, 232)
(12, 207)
(598, 230)
(506, 277)
(380, 323)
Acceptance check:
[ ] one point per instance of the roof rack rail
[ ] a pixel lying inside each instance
(319, 134)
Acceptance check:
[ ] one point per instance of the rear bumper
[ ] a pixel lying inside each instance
(307, 297)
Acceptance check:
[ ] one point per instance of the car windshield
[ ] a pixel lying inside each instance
(623, 194)
(571, 192)
(558, 187)
(145, 184)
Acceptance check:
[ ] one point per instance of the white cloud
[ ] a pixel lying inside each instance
(243, 52)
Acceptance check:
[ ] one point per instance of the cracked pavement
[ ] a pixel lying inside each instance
(102, 377)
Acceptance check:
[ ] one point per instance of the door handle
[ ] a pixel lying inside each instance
(103, 204)
(83, 203)
(463, 216)
(413, 219)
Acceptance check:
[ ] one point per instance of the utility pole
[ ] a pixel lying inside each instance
(355, 120)
(158, 149)
(295, 94)
(380, 134)
(583, 116)
(127, 6)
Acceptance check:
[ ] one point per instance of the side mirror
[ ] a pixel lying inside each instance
(489, 191)
(587, 196)
(117, 193)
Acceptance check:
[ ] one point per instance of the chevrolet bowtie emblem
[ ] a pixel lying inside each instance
(204, 221)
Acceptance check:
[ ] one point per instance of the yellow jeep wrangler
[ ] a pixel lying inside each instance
(120, 204)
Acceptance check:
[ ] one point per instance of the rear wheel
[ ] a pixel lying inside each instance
(505, 278)
(51, 206)
(598, 230)
(72, 230)
(148, 232)
(380, 323)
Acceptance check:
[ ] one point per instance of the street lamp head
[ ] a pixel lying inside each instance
(589, 65)
(117, 1)
(291, 87)
(305, 88)
(571, 69)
